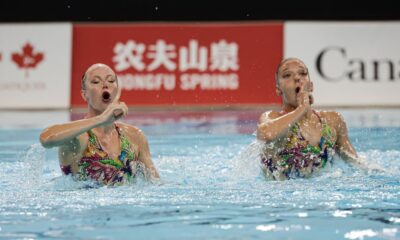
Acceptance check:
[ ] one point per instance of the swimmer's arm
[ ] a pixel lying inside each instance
(343, 145)
(271, 127)
(345, 149)
(145, 157)
(348, 153)
(63, 134)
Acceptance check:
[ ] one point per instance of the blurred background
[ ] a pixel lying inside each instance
(198, 54)
(180, 10)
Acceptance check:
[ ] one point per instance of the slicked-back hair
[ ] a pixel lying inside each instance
(83, 80)
(280, 65)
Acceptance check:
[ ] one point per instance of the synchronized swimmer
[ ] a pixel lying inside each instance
(98, 147)
(297, 139)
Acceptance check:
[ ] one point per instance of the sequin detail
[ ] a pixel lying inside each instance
(298, 154)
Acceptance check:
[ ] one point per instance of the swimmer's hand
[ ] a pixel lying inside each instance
(366, 166)
(118, 113)
(372, 167)
(113, 112)
(304, 96)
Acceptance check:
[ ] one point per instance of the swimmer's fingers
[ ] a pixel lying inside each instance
(303, 98)
(306, 87)
(124, 108)
(305, 90)
(377, 168)
(116, 99)
(120, 110)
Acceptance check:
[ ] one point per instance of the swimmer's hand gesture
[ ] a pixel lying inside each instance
(113, 112)
(304, 96)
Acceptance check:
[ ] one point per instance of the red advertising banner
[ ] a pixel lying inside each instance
(183, 64)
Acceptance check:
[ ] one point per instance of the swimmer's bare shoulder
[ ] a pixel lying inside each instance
(141, 147)
(335, 120)
(269, 115)
(266, 132)
(134, 134)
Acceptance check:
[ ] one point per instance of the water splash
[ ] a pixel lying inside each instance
(31, 167)
(246, 165)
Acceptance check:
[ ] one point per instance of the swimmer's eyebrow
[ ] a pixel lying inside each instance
(99, 78)
(301, 67)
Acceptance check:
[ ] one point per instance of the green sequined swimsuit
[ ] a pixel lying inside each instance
(97, 165)
(298, 154)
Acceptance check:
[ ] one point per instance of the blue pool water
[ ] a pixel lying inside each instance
(211, 185)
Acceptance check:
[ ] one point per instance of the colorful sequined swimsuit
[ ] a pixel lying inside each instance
(298, 154)
(97, 165)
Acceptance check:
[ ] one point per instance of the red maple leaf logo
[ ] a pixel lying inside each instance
(27, 59)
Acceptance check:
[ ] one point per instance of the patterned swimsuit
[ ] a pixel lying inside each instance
(298, 154)
(96, 165)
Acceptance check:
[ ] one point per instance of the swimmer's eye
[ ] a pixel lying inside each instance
(286, 75)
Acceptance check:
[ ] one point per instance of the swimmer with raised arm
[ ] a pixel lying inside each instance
(98, 147)
(298, 139)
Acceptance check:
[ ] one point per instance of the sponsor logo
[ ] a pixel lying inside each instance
(28, 59)
(335, 64)
(167, 66)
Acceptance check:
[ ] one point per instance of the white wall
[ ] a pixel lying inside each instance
(350, 63)
(40, 76)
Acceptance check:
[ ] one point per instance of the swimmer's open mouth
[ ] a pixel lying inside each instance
(310, 97)
(106, 96)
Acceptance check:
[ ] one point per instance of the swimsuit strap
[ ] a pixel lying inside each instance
(93, 139)
(125, 144)
(319, 117)
(126, 147)
(97, 164)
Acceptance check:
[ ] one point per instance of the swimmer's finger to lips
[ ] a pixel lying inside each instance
(118, 112)
(116, 99)
(311, 97)
(302, 88)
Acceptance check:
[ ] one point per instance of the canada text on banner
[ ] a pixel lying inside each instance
(35, 65)
(350, 63)
(183, 64)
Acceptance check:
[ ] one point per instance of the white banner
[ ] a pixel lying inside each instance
(350, 63)
(35, 65)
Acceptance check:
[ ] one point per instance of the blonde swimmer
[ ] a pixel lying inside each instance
(99, 147)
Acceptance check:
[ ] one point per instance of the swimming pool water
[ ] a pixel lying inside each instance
(211, 185)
